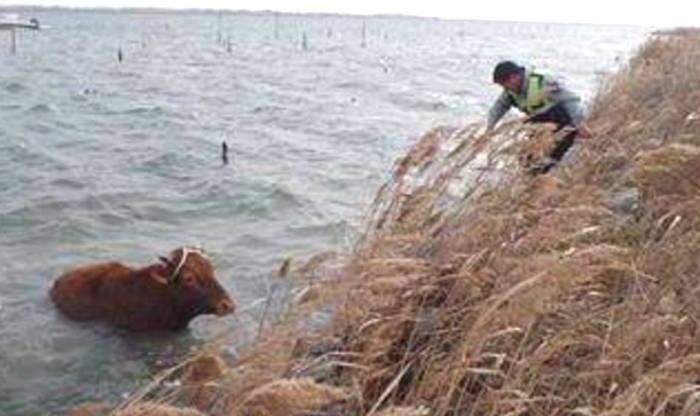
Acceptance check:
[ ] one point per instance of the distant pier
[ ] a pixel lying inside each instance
(12, 24)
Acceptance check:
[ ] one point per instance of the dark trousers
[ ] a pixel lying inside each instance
(561, 118)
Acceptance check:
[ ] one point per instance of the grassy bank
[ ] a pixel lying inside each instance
(478, 289)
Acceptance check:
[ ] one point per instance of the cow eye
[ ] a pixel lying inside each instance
(189, 280)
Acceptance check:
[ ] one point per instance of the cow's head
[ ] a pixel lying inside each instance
(190, 277)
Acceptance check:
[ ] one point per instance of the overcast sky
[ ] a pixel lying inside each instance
(652, 13)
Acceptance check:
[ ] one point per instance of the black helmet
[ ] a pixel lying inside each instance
(505, 68)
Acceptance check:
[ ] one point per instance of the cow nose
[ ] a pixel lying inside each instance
(225, 307)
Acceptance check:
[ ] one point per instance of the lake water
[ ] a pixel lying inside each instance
(107, 160)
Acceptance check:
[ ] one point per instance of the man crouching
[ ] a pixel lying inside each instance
(543, 100)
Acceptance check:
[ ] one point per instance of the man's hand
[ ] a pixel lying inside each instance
(584, 132)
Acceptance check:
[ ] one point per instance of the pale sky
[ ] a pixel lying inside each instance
(650, 12)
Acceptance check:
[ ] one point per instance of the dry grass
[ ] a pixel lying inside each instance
(288, 397)
(478, 289)
(155, 409)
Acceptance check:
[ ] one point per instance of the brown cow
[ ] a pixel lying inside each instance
(162, 296)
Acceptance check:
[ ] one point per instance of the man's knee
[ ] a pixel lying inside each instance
(556, 115)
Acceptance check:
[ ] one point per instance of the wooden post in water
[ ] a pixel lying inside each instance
(304, 42)
(224, 152)
(364, 34)
(13, 41)
(219, 39)
(277, 26)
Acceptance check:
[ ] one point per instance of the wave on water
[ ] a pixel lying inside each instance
(57, 231)
(42, 108)
(15, 87)
(155, 110)
(69, 184)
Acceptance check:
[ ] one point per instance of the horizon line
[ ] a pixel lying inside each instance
(151, 9)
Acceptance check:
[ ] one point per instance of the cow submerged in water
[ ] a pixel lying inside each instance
(162, 296)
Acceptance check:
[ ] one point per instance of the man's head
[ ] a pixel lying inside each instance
(509, 75)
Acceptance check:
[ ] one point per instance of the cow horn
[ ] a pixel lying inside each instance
(183, 259)
(177, 268)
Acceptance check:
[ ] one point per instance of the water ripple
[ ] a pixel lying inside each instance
(15, 87)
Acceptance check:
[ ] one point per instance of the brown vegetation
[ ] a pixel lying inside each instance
(481, 290)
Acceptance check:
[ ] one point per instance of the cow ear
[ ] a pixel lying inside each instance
(168, 268)
(158, 278)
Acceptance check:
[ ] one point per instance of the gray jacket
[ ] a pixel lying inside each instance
(557, 94)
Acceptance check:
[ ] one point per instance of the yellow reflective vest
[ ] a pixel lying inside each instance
(534, 96)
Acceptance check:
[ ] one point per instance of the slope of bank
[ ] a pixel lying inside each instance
(479, 289)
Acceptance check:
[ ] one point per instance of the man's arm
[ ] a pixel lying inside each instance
(573, 108)
(499, 108)
(571, 103)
